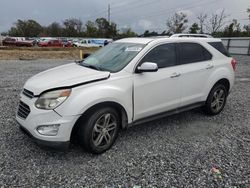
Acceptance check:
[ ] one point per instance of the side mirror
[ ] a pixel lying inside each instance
(147, 67)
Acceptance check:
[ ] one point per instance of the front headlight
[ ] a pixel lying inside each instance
(52, 99)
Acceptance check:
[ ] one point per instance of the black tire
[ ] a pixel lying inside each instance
(95, 128)
(216, 100)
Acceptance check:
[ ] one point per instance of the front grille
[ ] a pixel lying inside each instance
(28, 93)
(23, 110)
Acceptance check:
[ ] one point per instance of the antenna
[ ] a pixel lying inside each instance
(109, 14)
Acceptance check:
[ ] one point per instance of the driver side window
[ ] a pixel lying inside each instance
(163, 55)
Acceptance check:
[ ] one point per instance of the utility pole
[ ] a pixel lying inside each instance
(109, 14)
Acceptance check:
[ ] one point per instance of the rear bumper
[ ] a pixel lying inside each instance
(56, 145)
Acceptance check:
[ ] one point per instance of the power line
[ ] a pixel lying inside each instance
(135, 2)
(170, 10)
(134, 6)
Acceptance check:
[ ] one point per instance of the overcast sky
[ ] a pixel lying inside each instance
(140, 15)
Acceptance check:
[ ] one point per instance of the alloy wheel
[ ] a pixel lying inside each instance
(104, 130)
(218, 100)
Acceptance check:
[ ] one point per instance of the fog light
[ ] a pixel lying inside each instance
(48, 130)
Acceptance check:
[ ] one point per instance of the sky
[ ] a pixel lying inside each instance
(140, 15)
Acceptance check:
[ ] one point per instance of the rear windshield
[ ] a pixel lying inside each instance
(220, 47)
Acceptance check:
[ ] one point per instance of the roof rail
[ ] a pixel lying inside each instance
(191, 35)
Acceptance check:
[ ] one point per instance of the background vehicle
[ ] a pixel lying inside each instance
(128, 82)
(27, 43)
(50, 43)
(91, 42)
(66, 43)
(9, 41)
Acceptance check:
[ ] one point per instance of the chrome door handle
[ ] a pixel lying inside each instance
(209, 67)
(174, 75)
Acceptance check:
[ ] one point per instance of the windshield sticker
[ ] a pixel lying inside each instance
(133, 49)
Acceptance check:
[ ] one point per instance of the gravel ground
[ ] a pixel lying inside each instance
(177, 151)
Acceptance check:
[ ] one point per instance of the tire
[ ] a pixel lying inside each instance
(216, 100)
(99, 130)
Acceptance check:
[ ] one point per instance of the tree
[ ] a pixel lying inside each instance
(216, 22)
(194, 28)
(127, 32)
(233, 30)
(202, 18)
(4, 34)
(177, 23)
(91, 29)
(105, 29)
(54, 30)
(72, 27)
(150, 34)
(112, 31)
(246, 31)
(26, 28)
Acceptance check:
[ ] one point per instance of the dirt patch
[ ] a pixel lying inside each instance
(8, 53)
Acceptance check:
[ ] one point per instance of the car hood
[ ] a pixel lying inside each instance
(68, 75)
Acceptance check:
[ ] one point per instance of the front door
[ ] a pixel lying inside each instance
(157, 92)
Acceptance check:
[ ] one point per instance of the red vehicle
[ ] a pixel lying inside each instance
(27, 43)
(53, 43)
(14, 42)
(9, 41)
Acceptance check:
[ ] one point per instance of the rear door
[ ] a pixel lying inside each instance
(196, 66)
(157, 92)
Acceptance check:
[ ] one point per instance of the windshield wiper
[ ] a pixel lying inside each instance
(91, 66)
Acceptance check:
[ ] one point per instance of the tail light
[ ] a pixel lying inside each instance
(234, 63)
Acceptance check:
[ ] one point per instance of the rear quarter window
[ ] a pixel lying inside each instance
(220, 47)
(192, 53)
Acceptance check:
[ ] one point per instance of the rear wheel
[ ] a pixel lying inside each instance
(216, 100)
(99, 130)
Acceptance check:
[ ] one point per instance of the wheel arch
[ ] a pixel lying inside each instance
(223, 81)
(118, 107)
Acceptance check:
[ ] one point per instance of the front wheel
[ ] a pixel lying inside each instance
(216, 100)
(99, 130)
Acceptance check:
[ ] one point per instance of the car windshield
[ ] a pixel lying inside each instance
(113, 57)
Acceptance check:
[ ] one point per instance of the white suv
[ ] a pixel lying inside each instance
(127, 82)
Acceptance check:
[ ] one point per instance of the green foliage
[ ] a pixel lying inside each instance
(234, 30)
(147, 33)
(74, 27)
(4, 33)
(71, 27)
(105, 29)
(127, 33)
(91, 29)
(194, 28)
(27, 28)
(54, 30)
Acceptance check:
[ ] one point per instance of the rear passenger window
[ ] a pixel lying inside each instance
(163, 55)
(220, 47)
(193, 52)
